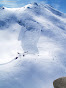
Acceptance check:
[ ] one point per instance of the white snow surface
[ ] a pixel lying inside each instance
(36, 34)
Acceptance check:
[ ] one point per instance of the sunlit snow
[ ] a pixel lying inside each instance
(32, 46)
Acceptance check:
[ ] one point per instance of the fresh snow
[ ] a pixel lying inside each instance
(32, 46)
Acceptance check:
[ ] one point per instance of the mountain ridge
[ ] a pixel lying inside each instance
(39, 18)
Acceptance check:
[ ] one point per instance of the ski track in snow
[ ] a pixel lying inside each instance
(40, 32)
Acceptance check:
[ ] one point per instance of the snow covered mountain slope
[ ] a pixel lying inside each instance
(36, 35)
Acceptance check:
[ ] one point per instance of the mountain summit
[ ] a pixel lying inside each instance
(27, 24)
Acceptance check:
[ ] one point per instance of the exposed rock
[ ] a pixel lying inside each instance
(60, 83)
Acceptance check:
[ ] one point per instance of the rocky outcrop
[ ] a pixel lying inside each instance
(60, 83)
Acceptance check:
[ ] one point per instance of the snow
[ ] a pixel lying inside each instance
(36, 34)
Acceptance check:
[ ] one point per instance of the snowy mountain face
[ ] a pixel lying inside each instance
(36, 35)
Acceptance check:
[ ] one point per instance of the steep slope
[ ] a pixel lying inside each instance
(36, 34)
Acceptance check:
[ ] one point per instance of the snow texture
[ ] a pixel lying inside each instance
(32, 46)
